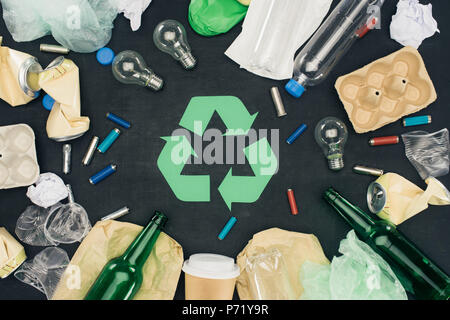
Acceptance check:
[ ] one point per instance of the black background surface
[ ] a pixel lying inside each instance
(139, 184)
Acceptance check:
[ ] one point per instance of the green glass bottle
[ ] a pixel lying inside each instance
(416, 272)
(121, 277)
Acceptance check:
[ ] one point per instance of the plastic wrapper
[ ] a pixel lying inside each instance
(272, 32)
(80, 25)
(428, 152)
(213, 17)
(45, 270)
(295, 248)
(359, 274)
(268, 277)
(48, 190)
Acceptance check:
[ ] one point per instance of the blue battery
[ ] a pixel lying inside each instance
(227, 228)
(112, 136)
(296, 134)
(103, 174)
(118, 120)
(416, 121)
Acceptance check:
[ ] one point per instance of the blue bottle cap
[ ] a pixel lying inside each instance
(294, 88)
(105, 56)
(48, 102)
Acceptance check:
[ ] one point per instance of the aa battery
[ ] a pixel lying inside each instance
(109, 140)
(103, 174)
(368, 171)
(53, 48)
(279, 106)
(296, 134)
(90, 151)
(116, 214)
(118, 120)
(227, 228)
(67, 155)
(381, 141)
(416, 121)
(292, 202)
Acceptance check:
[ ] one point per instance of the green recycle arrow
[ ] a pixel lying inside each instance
(231, 110)
(249, 189)
(186, 188)
(238, 121)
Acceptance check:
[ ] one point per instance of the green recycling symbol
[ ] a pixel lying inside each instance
(196, 188)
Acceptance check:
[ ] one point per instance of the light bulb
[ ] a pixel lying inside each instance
(170, 37)
(331, 135)
(129, 67)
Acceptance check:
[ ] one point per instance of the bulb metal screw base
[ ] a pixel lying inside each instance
(188, 61)
(155, 83)
(336, 164)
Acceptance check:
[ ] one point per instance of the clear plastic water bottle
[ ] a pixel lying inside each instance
(350, 20)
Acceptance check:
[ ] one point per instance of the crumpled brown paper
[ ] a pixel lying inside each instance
(10, 90)
(12, 253)
(295, 248)
(110, 239)
(61, 81)
(404, 199)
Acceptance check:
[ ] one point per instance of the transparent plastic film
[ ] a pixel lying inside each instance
(45, 270)
(428, 152)
(268, 277)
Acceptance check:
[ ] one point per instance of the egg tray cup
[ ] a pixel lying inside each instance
(386, 90)
(18, 161)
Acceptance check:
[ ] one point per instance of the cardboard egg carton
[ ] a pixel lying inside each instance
(386, 90)
(18, 162)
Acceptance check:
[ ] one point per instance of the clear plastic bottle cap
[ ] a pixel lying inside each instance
(211, 266)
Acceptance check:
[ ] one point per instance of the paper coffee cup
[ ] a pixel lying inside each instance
(210, 277)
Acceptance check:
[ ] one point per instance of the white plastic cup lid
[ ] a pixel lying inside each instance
(211, 266)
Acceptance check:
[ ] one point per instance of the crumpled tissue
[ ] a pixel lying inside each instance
(49, 189)
(133, 10)
(413, 23)
(272, 32)
(359, 274)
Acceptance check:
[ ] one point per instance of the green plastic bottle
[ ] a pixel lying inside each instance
(121, 277)
(416, 272)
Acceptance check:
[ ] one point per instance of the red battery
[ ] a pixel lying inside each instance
(381, 141)
(292, 203)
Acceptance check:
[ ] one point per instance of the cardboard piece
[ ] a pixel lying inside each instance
(61, 81)
(110, 239)
(18, 160)
(386, 90)
(10, 90)
(295, 248)
(12, 253)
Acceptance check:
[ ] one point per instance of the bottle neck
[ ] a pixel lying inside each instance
(138, 252)
(355, 217)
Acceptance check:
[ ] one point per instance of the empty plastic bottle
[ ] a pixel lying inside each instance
(350, 20)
